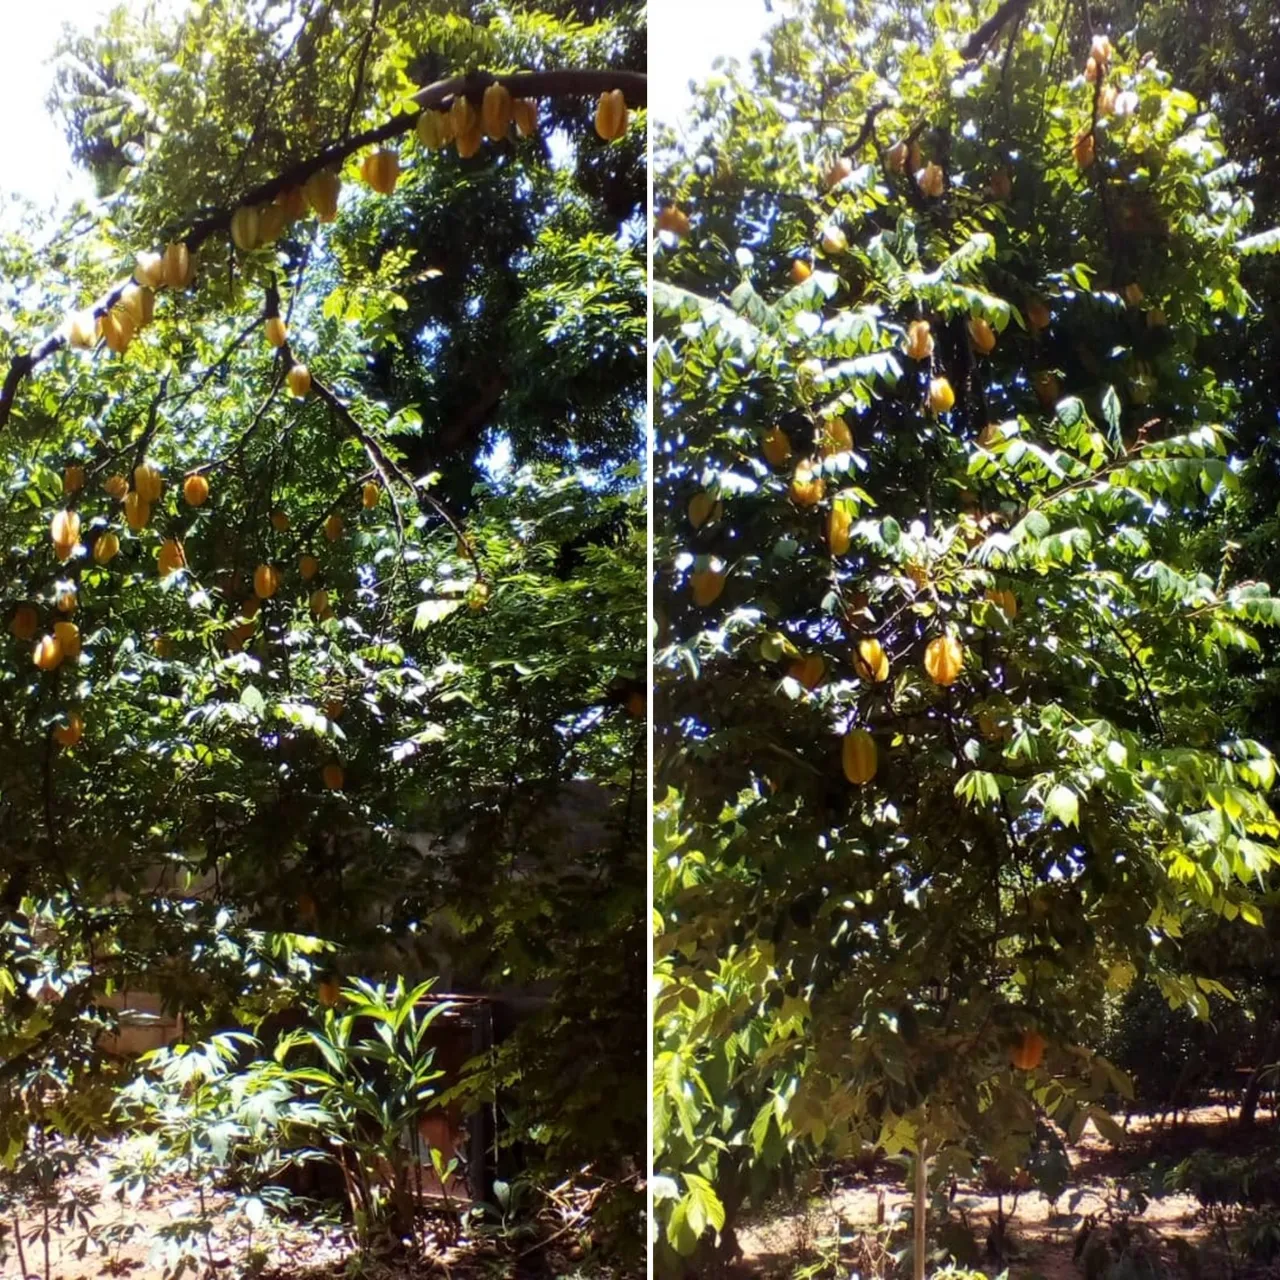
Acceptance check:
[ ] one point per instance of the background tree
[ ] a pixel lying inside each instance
(949, 728)
(400, 595)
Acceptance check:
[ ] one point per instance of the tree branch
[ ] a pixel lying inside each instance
(530, 84)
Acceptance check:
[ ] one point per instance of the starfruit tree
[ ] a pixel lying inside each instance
(321, 435)
(946, 750)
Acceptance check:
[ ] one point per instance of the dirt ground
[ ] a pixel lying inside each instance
(1041, 1236)
(99, 1243)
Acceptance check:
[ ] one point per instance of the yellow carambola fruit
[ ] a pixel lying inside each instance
(244, 229)
(706, 585)
(982, 335)
(82, 329)
(299, 380)
(839, 524)
(276, 333)
(70, 731)
(117, 329)
(381, 170)
(116, 486)
(702, 507)
(435, 129)
(859, 757)
(463, 117)
(308, 566)
(148, 270)
(24, 622)
(930, 180)
(178, 267)
(871, 662)
(321, 191)
(292, 203)
(266, 581)
(524, 111)
(370, 494)
(941, 396)
(67, 635)
(140, 303)
(319, 604)
(64, 533)
(495, 111)
(807, 489)
(195, 489)
(271, 223)
(808, 671)
(469, 143)
(919, 344)
(611, 115)
(333, 527)
(72, 477)
(944, 659)
(136, 511)
(171, 557)
(777, 446)
(47, 654)
(106, 548)
(148, 482)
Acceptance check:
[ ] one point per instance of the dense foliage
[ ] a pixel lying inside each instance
(409, 601)
(956, 662)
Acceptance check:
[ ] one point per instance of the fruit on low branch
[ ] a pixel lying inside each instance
(319, 604)
(776, 446)
(171, 558)
(495, 111)
(64, 533)
(321, 192)
(72, 478)
(117, 328)
(982, 335)
(611, 115)
(24, 622)
(834, 438)
(941, 396)
(116, 486)
(47, 654)
(839, 528)
(930, 180)
(673, 220)
(148, 270)
(271, 224)
(859, 757)
(800, 270)
(870, 661)
(179, 267)
(895, 158)
(1028, 1051)
(370, 495)
(67, 634)
(1005, 601)
(106, 548)
(834, 240)
(292, 203)
(82, 329)
(70, 731)
(308, 567)
(244, 229)
(381, 170)
(944, 659)
(333, 527)
(148, 482)
(477, 596)
(703, 506)
(524, 111)
(140, 303)
(333, 777)
(807, 489)
(919, 343)
(136, 512)
(706, 585)
(266, 581)
(1038, 316)
(195, 489)
(435, 129)
(808, 671)
(837, 172)
(280, 521)
(299, 380)
(1083, 150)
(277, 334)
(67, 601)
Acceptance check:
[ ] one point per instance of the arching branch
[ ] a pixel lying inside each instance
(529, 84)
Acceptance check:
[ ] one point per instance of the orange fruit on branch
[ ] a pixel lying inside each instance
(611, 115)
(299, 380)
(944, 659)
(941, 396)
(308, 566)
(333, 777)
(106, 548)
(871, 662)
(859, 757)
(24, 622)
(177, 266)
(136, 512)
(244, 229)
(982, 335)
(369, 495)
(277, 334)
(1028, 1052)
(195, 489)
(919, 343)
(70, 731)
(321, 192)
(47, 654)
(116, 486)
(266, 581)
(381, 171)
(524, 111)
(148, 482)
(333, 527)
(495, 111)
(706, 585)
(777, 446)
(148, 270)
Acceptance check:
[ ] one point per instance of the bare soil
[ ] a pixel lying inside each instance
(1040, 1237)
(121, 1239)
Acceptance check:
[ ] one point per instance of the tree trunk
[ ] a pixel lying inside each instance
(1253, 1090)
(921, 1208)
